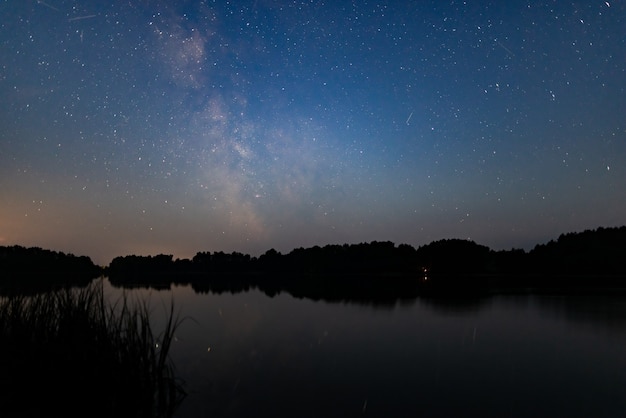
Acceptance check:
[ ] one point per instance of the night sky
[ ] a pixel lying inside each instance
(149, 127)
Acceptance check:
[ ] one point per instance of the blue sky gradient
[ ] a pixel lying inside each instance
(176, 127)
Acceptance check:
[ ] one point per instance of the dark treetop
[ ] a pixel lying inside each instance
(593, 258)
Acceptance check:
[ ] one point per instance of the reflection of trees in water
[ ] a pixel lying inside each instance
(362, 290)
(387, 293)
(219, 284)
(370, 291)
(605, 311)
(600, 310)
(456, 305)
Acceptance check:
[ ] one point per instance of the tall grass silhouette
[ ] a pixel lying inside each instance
(73, 353)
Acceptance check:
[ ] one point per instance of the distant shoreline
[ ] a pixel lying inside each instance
(586, 260)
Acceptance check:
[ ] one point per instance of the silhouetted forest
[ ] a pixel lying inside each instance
(36, 270)
(384, 272)
(377, 270)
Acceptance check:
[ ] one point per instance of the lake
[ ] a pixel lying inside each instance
(248, 354)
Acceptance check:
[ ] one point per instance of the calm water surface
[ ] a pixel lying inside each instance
(247, 354)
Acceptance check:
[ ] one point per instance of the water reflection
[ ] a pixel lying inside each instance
(455, 304)
(246, 353)
(605, 312)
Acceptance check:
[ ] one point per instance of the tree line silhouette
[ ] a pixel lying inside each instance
(35, 269)
(382, 271)
(592, 252)
(349, 271)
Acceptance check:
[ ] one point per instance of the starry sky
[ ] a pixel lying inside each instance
(147, 126)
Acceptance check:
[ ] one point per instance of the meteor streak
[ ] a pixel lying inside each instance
(81, 18)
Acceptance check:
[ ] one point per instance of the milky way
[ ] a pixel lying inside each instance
(175, 127)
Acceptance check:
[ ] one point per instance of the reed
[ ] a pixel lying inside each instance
(72, 353)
